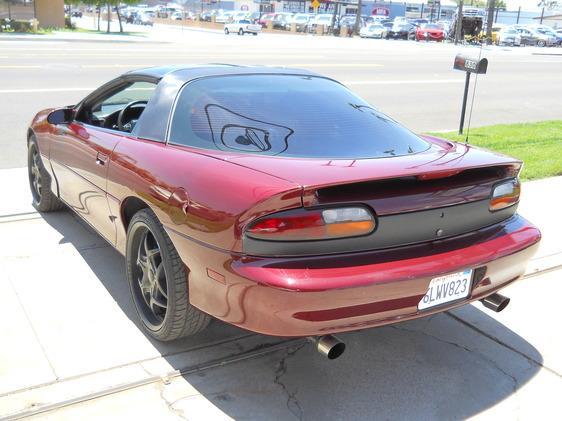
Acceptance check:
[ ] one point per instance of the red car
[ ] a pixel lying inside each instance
(430, 32)
(278, 201)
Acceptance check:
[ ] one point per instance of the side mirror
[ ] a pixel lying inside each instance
(61, 116)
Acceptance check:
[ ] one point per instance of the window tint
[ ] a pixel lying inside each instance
(285, 115)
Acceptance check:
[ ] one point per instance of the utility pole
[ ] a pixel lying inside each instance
(358, 17)
(458, 25)
(490, 23)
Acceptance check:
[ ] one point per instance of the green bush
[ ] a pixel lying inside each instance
(68, 23)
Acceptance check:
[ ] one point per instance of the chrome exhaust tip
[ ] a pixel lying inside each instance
(328, 345)
(495, 302)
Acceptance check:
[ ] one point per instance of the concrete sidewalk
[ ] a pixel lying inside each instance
(70, 338)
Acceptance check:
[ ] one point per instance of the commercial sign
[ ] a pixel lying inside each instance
(380, 11)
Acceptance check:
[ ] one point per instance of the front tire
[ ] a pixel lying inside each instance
(541, 43)
(240, 31)
(226, 31)
(44, 200)
(158, 281)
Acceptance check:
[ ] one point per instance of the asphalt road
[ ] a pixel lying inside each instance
(412, 82)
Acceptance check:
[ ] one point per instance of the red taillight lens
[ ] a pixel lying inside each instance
(317, 224)
(505, 195)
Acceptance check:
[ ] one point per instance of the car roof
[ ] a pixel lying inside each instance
(154, 122)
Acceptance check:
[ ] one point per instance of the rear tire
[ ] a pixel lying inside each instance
(158, 281)
(541, 43)
(226, 31)
(240, 31)
(40, 182)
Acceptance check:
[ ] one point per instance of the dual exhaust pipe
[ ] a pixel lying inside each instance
(332, 348)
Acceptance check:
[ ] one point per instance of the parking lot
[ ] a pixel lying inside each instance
(72, 348)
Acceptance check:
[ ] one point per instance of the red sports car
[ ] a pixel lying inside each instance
(430, 32)
(278, 201)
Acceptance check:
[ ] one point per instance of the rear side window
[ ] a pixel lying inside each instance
(283, 115)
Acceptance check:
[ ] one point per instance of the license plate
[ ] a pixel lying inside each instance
(444, 289)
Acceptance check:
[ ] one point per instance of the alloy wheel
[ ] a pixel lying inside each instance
(150, 288)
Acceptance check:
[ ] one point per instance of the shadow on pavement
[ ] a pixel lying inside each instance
(436, 367)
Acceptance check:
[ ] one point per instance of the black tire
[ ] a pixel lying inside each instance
(226, 31)
(541, 43)
(240, 31)
(255, 34)
(164, 312)
(40, 182)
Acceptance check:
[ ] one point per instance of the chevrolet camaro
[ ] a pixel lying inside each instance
(279, 201)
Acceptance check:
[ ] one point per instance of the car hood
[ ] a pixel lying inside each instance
(442, 157)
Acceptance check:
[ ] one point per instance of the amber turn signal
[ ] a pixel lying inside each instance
(505, 194)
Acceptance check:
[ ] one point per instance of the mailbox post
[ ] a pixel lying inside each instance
(468, 65)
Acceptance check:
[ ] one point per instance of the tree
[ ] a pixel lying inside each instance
(358, 17)
(549, 4)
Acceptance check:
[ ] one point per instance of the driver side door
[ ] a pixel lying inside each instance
(80, 154)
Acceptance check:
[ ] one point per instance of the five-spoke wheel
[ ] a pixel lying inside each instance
(151, 280)
(159, 281)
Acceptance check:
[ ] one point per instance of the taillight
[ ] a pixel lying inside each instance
(316, 224)
(505, 194)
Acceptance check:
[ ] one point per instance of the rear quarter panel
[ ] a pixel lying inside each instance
(220, 195)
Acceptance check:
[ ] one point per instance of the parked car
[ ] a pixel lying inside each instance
(205, 16)
(176, 16)
(143, 19)
(373, 30)
(241, 15)
(230, 199)
(76, 14)
(301, 21)
(555, 37)
(430, 32)
(282, 21)
(321, 19)
(241, 27)
(266, 18)
(509, 36)
(401, 31)
(224, 17)
(531, 37)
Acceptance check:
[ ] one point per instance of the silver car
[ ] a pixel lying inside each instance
(509, 36)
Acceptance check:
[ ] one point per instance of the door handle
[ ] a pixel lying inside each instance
(101, 158)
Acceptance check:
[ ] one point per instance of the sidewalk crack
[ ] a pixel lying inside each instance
(293, 404)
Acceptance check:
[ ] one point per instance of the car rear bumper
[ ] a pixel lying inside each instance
(320, 295)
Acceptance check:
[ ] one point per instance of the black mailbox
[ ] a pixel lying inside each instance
(471, 65)
(468, 65)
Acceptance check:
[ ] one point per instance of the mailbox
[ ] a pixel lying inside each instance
(471, 65)
(468, 65)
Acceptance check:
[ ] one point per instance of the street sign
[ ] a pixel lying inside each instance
(315, 4)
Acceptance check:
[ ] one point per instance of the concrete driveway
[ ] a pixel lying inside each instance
(71, 347)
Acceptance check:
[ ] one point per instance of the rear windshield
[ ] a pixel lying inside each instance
(292, 116)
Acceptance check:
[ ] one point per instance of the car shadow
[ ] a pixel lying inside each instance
(436, 367)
